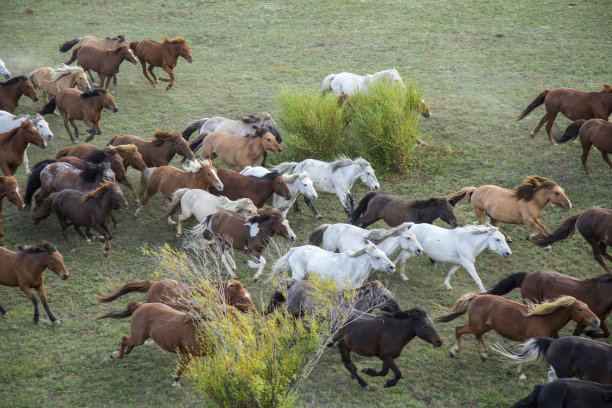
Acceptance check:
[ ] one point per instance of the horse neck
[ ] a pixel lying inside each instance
(350, 175)
(32, 264)
(174, 49)
(16, 140)
(95, 102)
(360, 270)
(264, 188)
(540, 198)
(3, 191)
(101, 207)
(390, 245)
(557, 319)
(69, 81)
(481, 242)
(265, 233)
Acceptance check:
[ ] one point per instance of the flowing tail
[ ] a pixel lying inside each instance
(197, 142)
(530, 401)
(571, 132)
(286, 167)
(316, 235)
(326, 86)
(361, 207)
(563, 231)
(144, 180)
(193, 126)
(43, 209)
(462, 196)
(531, 351)
(34, 182)
(201, 227)
(459, 308)
(69, 44)
(536, 102)
(49, 107)
(176, 202)
(142, 286)
(120, 314)
(507, 284)
(280, 266)
(73, 57)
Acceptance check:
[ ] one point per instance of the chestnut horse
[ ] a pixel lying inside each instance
(571, 103)
(50, 81)
(174, 294)
(86, 106)
(160, 149)
(14, 143)
(24, 269)
(523, 205)
(10, 189)
(104, 62)
(11, 91)
(593, 132)
(162, 55)
(105, 44)
(258, 189)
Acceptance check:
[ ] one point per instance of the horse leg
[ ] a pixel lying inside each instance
(64, 226)
(597, 254)
(606, 158)
(42, 294)
(144, 71)
(65, 118)
(3, 311)
(115, 79)
(28, 292)
(345, 355)
(82, 235)
(108, 81)
(448, 277)
(26, 162)
(114, 221)
(265, 156)
(90, 75)
(343, 200)
(472, 271)
(351, 201)
(586, 149)
(539, 125)
(76, 130)
(392, 382)
(150, 69)
(102, 78)
(402, 258)
(373, 373)
(483, 346)
(170, 80)
(92, 130)
(105, 235)
(260, 267)
(130, 187)
(296, 208)
(549, 125)
(459, 331)
(228, 262)
(312, 209)
(184, 360)
(602, 247)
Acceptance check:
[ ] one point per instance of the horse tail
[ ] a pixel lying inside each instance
(197, 142)
(286, 167)
(571, 132)
(176, 201)
(459, 308)
(316, 235)
(120, 314)
(362, 207)
(73, 57)
(530, 401)
(133, 45)
(112, 141)
(326, 86)
(507, 284)
(69, 44)
(563, 231)
(34, 182)
(63, 152)
(144, 180)
(462, 196)
(142, 286)
(531, 351)
(281, 265)
(49, 107)
(278, 298)
(193, 126)
(536, 102)
(201, 227)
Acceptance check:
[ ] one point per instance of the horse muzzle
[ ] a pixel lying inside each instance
(390, 269)
(568, 206)
(595, 322)
(426, 115)
(219, 186)
(437, 343)
(507, 254)
(114, 109)
(21, 207)
(418, 251)
(288, 197)
(64, 277)
(6, 76)
(43, 145)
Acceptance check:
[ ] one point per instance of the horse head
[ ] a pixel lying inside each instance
(80, 79)
(126, 52)
(108, 102)
(268, 141)
(368, 177)
(409, 242)
(32, 135)
(281, 227)
(376, 258)
(238, 296)
(12, 191)
(53, 258)
(27, 88)
(116, 197)
(581, 313)
(425, 110)
(181, 147)
(43, 126)
(446, 212)
(557, 196)
(497, 242)
(422, 324)
(306, 186)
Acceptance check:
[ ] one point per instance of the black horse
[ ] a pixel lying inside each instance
(568, 393)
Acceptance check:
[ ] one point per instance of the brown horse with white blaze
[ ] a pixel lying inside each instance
(10, 189)
(162, 55)
(11, 91)
(593, 132)
(104, 62)
(14, 143)
(160, 149)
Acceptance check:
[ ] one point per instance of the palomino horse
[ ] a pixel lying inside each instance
(523, 205)
(239, 151)
(11, 91)
(14, 143)
(104, 62)
(10, 189)
(395, 211)
(50, 81)
(105, 44)
(90, 210)
(200, 204)
(258, 189)
(167, 179)
(567, 393)
(250, 235)
(86, 106)
(162, 55)
(176, 294)
(593, 132)
(160, 149)
(3, 71)
(573, 104)
(384, 337)
(595, 225)
(25, 268)
(545, 284)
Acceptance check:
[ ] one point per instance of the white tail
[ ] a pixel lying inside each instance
(281, 265)
(326, 86)
(531, 351)
(176, 201)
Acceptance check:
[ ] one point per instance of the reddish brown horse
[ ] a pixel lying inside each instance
(593, 132)
(86, 106)
(162, 55)
(258, 189)
(11, 91)
(14, 142)
(10, 189)
(104, 62)
(24, 269)
(160, 150)
(573, 104)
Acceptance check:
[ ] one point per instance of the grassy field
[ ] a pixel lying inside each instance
(480, 64)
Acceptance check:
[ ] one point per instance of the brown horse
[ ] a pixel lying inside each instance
(595, 225)
(573, 104)
(86, 106)
(103, 43)
(545, 284)
(10, 189)
(523, 205)
(395, 211)
(162, 55)
(174, 293)
(167, 179)
(14, 142)
(593, 132)
(24, 269)
(89, 210)
(258, 189)
(11, 91)
(158, 151)
(50, 81)
(104, 62)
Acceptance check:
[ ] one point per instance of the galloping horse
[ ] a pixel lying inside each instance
(350, 84)
(25, 268)
(50, 81)
(14, 143)
(258, 189)
(160, 149)
(3, 71)
(10, 189)
(104, 62)
(593, 132)
(162, 55)
(104, 44)
(573, 104)
(11, 91)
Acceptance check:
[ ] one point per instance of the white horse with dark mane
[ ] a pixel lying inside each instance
(336, 177)
(346, 237)
(3, 71)
(351, 84)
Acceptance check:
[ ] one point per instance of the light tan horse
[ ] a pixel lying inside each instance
(523, 205)
(50, 81)
(239, 151)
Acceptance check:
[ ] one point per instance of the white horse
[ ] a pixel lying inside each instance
(346, 268)
(9, 121)
(3, 71)
(350, 84)
(200, 204)
(298, 183)
(460, 246)
(346, 237)
(336, 177)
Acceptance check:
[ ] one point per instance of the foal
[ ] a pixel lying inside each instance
(11, 91)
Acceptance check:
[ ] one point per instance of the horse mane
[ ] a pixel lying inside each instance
(361, 251)
(126, 148)
(44, 246)
(264, 214)
(98, 156)
(64, 69)
(416, 313)
(162, 136)
(479, 228)
(194, 166)
(602, 279)
(606, 88)
(98, 192)
(90, 173)
(259, 132)
(174, 40)
(420, 204)
(14, 80)
(118, 48)
(9, 180)
(95, 92)
(270, 176)
(120, 38)
(344, 161)
(547, 307)
(376, 236)
(256, 117)
(530, 186)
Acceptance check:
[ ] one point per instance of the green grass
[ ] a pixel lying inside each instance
(480, 64)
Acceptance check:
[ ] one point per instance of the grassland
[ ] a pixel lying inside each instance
(479, 63)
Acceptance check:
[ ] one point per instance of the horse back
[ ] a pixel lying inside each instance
(596, 223)
(149, 51)
(597, 132)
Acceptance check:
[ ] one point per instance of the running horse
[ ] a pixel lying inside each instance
(104, 62)
(10, 189)
(50, 81)
(258, 189)
(593, 132)
(11, 91)
(14, 143)
(103, 43)
(160, 149)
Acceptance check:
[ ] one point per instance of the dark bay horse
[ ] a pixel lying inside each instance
(158, 151)
(11, 91)
(162, 55)
(14, 143)
(105, 62)
(595, 225)
(593, 132)
(258, 189)
(573, 104)
(568, 393)
(10, 189)
(545, 284)
(24, 269)
(395, 211)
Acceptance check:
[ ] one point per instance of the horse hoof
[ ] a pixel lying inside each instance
(367, 388)
(547, 248)
(35, 321)
(319, 217)
(56, 322)
(114, 354)
(73, 250)
(105, 253)
(483, 358)
(5, 314)
(176, 385)
(449, 287)
(88, 242)
(522, 377)
(89, 138)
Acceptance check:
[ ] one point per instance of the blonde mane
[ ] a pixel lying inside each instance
(128, 148)
(174, 40)
(64, 69)
(606, 88)
(98, 192)
(548, 307)
(530, 186)
(163, 136)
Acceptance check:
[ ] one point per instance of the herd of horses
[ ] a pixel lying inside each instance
(80, 186)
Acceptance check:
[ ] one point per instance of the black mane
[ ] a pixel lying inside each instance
(602, 279)
(424, 203)
(91, 172)
(95, 92)
(270, 176)
(98, 156)
(415, 313)
(44, 246)
(14, 80)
